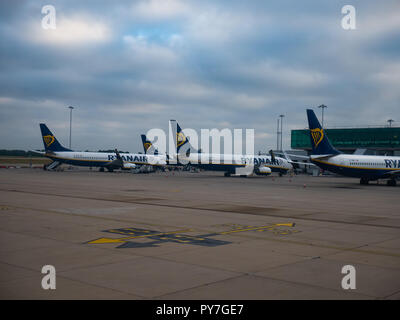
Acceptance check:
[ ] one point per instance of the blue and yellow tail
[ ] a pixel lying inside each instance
(49, 140)
(181, 139)
(147, 144)
(319, 141)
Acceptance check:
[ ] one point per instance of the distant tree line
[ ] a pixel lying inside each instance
(18, 153)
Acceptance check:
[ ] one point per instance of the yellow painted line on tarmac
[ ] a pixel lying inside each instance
(111, 240)
(259, 228)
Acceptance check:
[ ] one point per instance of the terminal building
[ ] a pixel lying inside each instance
(372, 141)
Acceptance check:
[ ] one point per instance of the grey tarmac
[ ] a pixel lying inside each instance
(183, 235)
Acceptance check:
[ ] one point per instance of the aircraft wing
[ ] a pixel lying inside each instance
(287, 157)
(292, 155)
(119, 163)
(303, 163)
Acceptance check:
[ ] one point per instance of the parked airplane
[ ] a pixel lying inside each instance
(366, 168)
(111, 161)
(228, 163)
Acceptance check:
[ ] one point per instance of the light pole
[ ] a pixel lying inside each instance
(390, 122)
(277, 135)
(70, 124)
(281, 116)
(322, 106)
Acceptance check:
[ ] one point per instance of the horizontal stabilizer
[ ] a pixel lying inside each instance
(38, 152)
(322, 156)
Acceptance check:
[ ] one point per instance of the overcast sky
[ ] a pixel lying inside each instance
(128, 66)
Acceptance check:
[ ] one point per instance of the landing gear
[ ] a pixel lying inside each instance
(391, 182)
(364, 181)
(101, 169)
(227, 174)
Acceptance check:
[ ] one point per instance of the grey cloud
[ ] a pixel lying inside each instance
(207, 64)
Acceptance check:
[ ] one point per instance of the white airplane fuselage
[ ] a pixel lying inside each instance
(230, 162)
(360, 166)
(100, 159)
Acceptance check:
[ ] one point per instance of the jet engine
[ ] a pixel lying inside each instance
(263, 171)
(128, 165)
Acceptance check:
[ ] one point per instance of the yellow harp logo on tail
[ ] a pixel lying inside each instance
(180, 139)
(48, 140)
(147, 145)
(317, 134)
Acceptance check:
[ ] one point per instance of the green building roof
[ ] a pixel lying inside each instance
(352, 138)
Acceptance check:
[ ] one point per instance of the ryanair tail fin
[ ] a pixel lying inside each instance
(180, 139)
(147, 144)
(49, 140)
(319, 141)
